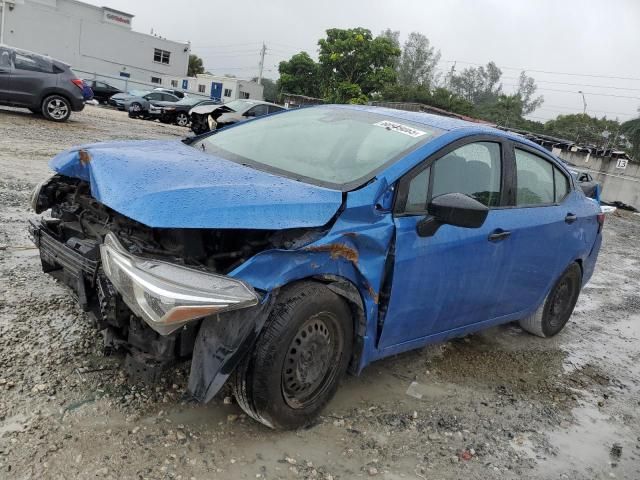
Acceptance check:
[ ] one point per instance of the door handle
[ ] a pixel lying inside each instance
(570, 218)
(498, 235)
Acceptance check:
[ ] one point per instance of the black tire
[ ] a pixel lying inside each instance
(298, 360)
(135, 110)
(182, 119)
(165, 119)
(558, 305)
(56, 108)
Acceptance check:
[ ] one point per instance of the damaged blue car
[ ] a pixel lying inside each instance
(280, 253)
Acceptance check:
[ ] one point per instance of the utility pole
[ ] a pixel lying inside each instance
(584, 103)
(263, 50)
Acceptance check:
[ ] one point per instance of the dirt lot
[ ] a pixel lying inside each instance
(501, 404)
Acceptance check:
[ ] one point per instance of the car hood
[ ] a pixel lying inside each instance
(204, 109)
(167, 184)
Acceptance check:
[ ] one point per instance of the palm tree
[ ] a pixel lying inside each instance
(195, 65)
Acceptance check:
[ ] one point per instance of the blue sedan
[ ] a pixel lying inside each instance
(280, 253)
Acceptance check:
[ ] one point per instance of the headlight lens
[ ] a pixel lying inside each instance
(166, 295)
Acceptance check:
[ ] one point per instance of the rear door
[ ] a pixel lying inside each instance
(5, 72)
(544, 225)
(30, 76)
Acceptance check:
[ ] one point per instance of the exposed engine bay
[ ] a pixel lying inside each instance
(70, 242)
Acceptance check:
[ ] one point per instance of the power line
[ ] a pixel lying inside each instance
(548, 71)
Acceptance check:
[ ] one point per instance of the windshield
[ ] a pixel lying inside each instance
(238, 105)
(326, 145)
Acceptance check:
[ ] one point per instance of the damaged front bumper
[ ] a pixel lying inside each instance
(167, 296)
(126, 295)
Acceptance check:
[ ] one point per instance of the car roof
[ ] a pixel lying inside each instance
(443, 123)
(41, 55)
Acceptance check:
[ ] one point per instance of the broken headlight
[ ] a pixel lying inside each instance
(166, 295)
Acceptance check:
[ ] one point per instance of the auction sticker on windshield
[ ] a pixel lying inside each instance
(400, 128)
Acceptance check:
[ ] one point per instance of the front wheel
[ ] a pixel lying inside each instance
(297, 363)
(182, 119)
(135, 110)
(554, 313)
(56, 108)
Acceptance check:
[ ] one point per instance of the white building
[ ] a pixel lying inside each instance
(95, 41)
(218, 87)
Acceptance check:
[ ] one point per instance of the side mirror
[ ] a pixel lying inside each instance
(455, 209)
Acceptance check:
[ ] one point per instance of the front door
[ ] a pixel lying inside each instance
(453, 278)
(216, 90)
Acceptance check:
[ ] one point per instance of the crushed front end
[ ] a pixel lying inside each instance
(147, 289)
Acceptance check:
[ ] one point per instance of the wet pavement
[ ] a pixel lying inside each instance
(499, 404)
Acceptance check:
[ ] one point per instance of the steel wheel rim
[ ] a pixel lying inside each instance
(561, 302)
(311, 361)
(182, 120)
(57, 109)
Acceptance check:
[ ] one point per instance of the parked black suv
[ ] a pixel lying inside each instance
(102, 91)
(42, 84)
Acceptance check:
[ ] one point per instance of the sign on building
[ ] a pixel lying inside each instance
(622, 163)
(116, 17)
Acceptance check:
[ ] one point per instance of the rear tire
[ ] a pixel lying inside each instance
(56, 108)
(556, 309)
(296, 365)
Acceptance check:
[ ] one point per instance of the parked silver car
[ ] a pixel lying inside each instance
(140, 106)
(42, 84)
(209, 117)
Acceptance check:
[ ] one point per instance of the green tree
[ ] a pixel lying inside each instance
(418, 61)
(631, 130)
(195, 65)
(506, 111)
(582, 128)
(526, 89)
(354, 65)
(478, 85)
(299, 75)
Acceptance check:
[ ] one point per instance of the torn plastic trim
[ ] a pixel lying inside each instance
(222, 342)
(167, 296)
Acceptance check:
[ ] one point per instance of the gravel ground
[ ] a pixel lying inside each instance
(499, 404)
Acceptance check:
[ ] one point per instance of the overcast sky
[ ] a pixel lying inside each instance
(582, 44)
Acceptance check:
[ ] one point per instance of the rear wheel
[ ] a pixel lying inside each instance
(298, 360)
(56, 108)
(182, 119)
(553, 314)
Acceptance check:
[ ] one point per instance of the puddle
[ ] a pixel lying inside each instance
(595, 445)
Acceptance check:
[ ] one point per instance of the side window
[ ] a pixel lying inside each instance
(5, 59)
(474, 169)
(169, 98)
(561, 183)
(154, 96)
(32, 63)
(257, 111)
(273, 108)
(417, 194)
(535, 177)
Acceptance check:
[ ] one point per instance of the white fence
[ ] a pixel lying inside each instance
(126, 84)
